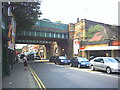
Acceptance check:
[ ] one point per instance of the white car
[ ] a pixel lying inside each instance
(108, 64)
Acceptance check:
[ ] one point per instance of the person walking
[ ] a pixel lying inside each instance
(25, 63)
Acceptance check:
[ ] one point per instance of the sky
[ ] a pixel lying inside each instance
(67, 11)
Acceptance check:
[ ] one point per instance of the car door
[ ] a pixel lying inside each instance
(75, 61)
(101, 64)
(56, 59)
(96, 63)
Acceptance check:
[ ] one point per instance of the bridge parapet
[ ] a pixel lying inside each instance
(50, 26)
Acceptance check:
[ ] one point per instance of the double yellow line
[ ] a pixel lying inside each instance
(39, 82)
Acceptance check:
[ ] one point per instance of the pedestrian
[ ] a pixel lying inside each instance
(17, 58)
(25, 63)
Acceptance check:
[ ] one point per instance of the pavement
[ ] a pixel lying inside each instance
(19, 78)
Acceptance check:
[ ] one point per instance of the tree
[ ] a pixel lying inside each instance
(25, 13)
(92, 30)
(58, 22)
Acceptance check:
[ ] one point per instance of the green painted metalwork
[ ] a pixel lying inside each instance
(42, 34)
(51, 25)
(45, 29)
(33, 41)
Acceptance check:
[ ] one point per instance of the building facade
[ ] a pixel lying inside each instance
(8, 38)
(90, 46)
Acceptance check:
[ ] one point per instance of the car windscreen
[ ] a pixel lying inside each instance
(82, 59)
(62, 57)
(111, 60)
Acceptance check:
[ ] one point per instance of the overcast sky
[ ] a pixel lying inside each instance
(67, 11)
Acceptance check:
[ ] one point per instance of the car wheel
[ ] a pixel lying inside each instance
(92, 68)
(79, 66)
(108, 70)
(55, 62)
(71, 65)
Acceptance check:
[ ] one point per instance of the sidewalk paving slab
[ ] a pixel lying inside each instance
(19, 78)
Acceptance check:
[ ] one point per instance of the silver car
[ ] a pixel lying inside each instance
(107, 64)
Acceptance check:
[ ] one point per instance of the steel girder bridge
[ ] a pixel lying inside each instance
(44, 33)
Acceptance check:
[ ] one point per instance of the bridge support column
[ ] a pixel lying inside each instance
(66, 47)
(48, 51)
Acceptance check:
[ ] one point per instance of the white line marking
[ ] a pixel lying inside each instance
(94, 72)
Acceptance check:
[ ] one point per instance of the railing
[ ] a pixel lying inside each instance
(33, 41)
(42, 34)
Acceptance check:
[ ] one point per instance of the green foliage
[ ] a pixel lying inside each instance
(93, 29)
(25, 13)
(58, 22)
(113, 27)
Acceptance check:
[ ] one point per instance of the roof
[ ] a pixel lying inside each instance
(97, 36)
(102, 48)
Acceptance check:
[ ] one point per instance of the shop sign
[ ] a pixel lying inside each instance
(82, 48)
(76, 46)
(77, 42)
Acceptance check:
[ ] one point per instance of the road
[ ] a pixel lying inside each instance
(63, 76)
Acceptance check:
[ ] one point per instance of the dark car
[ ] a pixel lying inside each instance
(61, 60)
(30, 57)
(22, 56)
(79, 62)
(52, 58)
(37, 58)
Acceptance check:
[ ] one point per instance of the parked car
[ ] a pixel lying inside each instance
(22, 56)
(117, 58)
(61, 60)
(30, 57)
(108, 64)
(37, 58)
(52, 58)
(91, 57)
(79, 62)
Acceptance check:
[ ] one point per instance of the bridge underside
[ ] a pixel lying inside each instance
(65, 44)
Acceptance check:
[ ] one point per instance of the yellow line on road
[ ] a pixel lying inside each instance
(39, 82)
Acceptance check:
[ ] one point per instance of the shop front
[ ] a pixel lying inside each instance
(102, 51)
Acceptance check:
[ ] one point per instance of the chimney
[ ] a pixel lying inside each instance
(77, 20)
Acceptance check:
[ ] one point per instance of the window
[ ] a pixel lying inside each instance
(62, 57)
(98, 60)
(111, 60)
(82, 59)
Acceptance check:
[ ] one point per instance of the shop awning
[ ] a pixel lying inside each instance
(102, 48)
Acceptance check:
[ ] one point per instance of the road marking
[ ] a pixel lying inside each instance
(49, 63)
(39, 82)
(85, 70)
(94, 72)
(58, 65)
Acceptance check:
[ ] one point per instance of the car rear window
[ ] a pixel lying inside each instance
(62, 57)
(111, 60)
(82, 59)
